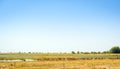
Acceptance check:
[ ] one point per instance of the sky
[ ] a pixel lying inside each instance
(59, 25)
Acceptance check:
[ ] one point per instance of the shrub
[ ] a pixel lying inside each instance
(115, 49)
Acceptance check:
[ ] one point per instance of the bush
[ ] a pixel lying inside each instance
(73, 52)
(115, 49)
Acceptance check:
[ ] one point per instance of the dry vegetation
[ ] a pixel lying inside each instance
(66, 64)
(61, 61)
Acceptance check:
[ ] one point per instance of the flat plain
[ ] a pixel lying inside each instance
(59, 61)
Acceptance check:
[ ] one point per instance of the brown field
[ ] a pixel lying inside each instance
(64, 64)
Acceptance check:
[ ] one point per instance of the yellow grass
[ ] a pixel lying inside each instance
(67, 64)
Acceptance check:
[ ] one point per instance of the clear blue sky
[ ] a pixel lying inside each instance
(59, 25)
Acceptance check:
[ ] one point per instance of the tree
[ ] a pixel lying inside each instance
(73, 52)
(78, 52)
(115, 49)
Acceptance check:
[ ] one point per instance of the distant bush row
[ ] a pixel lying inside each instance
(78, 52)
(115, 49)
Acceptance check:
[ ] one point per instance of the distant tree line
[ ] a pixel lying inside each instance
(114, 49)
(78, 52)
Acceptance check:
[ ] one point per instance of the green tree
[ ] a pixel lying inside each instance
(115, 49)
(73, 52)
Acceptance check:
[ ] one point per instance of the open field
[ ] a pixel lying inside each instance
(59, 61)
(52, 56)
(71, 64)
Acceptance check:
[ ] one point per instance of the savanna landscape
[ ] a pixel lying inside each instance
(59, 34)
(110, 60)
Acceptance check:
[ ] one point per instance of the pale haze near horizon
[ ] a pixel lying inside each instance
(59, 25)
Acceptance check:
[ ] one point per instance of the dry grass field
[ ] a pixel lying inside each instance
(59, 61)
(66, 64)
